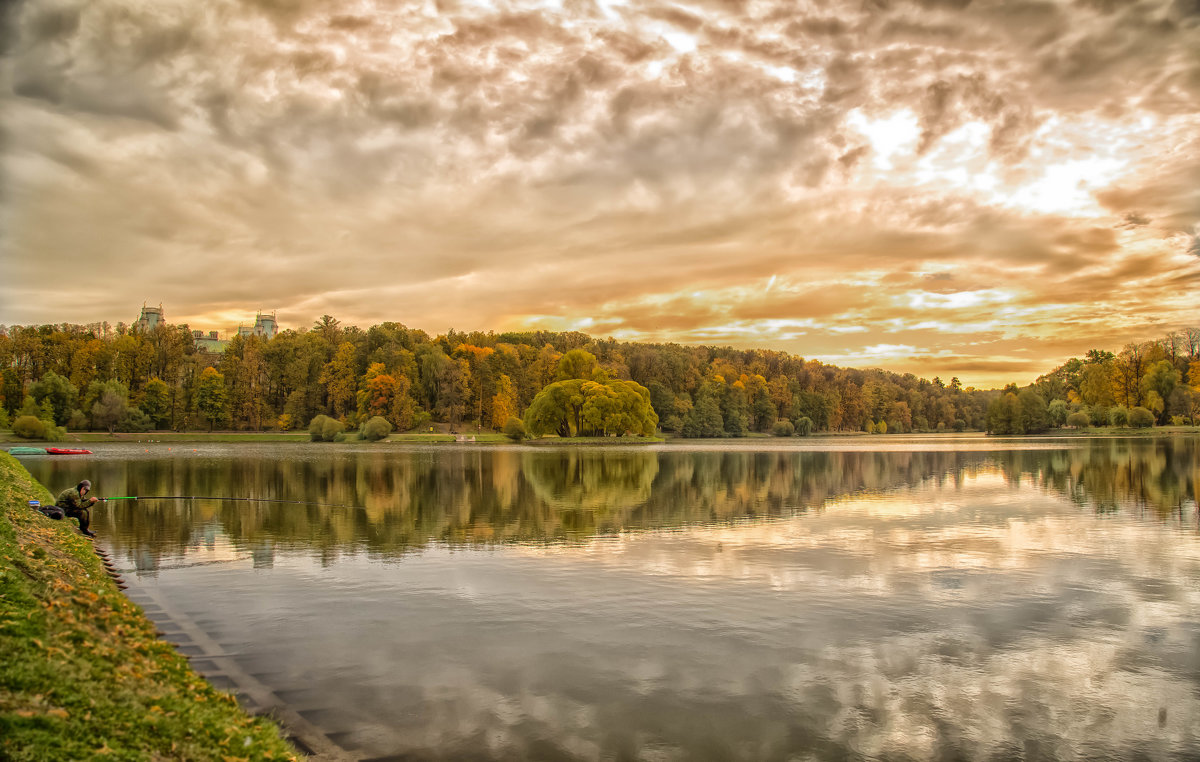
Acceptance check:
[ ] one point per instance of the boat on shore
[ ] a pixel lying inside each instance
(67, 451)
(27, 451)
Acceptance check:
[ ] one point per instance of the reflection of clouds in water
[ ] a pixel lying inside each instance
(907, 530)
(742, 606)
(1067, 696)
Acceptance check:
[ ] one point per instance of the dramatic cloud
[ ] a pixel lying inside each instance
(941, 186)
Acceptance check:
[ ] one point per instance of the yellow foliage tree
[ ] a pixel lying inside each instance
(504, 403)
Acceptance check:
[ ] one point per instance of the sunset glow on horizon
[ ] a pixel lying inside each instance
(944, 187)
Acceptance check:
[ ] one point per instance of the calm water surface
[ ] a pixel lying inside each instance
(894, 599)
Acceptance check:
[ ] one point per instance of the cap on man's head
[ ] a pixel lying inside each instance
(85, 484)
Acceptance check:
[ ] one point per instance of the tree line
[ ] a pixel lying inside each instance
(125, 379)
(1145, 384)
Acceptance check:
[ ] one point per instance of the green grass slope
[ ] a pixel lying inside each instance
(82, 673)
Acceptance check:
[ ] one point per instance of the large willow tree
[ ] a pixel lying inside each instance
(592, 408)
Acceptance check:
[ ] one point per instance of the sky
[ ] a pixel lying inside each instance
(979, 189)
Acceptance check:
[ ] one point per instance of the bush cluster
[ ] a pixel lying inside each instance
(376, 429)
(325, 429)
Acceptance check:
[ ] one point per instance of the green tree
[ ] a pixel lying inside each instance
(135, 420)
(1057, 412)
(108, 411)
(1032, 416)
(576, 364)
(1003, 416)
(60, 392)
(11, 390)
(704, 419)
(1161, 379)
(156, 401)
(212, 398)
(576, 407)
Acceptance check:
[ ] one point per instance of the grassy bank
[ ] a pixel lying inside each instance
(82, 673)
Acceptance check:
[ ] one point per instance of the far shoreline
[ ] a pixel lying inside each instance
(8, 439)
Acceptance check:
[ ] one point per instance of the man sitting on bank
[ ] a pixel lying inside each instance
(76, 503)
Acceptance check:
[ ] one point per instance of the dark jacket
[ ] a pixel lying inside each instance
(70, 500)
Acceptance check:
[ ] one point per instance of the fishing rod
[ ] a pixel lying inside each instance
(225, 499)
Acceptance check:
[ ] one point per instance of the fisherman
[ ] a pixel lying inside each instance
(77, 504)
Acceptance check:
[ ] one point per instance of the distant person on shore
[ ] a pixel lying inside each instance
(75, 503)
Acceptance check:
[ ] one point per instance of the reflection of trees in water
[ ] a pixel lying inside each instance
(728, 486)
(405, 500)
(1159, 474)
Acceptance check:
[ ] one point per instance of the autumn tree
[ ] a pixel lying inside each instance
(340, 381)
(504, 402)
(1157, 385)
(212, 398)
(378, 392)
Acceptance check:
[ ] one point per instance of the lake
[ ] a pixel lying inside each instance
(891, 598)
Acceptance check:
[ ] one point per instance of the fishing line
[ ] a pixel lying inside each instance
(226, 499)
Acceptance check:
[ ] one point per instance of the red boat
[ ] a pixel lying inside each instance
(66, 451)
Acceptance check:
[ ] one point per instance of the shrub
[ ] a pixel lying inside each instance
(783, 428)
(1079, 420)
(421, 419)
(77, 420)
(804, 426)
(514, 429)
(737, 424)
(376, 429)
(135, 420)
(55, 433)
(1141, 418)
(29, 427)
(1099, 415)
(960, 424)
(324, 429)
(1118, 416)
(4, 422)
(1057, 411)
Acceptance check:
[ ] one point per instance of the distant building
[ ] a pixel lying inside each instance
(264, 325)
(150, 318)
(210, 342)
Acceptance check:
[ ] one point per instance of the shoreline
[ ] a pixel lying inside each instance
(83, 672)
(7, 439)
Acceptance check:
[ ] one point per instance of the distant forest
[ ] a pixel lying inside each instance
(94, 377)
